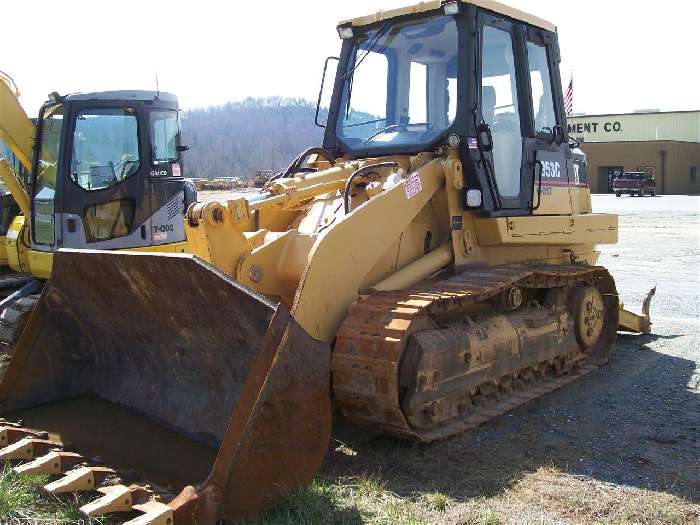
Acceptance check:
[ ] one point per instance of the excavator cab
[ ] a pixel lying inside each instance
(106, 174)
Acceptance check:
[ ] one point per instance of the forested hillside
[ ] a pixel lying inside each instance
(239, 138)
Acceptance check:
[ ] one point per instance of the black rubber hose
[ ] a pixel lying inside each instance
(359, 173)
(299, 161)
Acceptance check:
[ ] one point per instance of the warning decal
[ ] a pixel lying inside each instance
(413, 186)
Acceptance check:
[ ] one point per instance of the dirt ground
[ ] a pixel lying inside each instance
(620, 445)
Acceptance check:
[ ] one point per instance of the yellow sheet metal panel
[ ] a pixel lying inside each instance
(681, 126)
(40, 263)
(432, 5)
(3, 251)
(346, 252)
(595, 228)
(17, 243)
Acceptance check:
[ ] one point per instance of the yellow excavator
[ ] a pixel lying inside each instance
(104, 172)
(430, 267)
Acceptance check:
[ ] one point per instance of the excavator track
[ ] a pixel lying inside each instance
(445, 356)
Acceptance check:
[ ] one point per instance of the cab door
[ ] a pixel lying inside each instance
(546, 145)
(502, 130)
(104, 195)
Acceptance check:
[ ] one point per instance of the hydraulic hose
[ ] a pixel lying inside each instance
(297, 163)
(359, 173)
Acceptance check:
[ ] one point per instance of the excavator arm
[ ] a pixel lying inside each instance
(17, 132)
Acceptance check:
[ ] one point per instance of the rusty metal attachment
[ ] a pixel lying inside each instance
(205, 400)
(641, 324)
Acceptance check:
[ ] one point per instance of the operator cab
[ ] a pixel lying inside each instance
(454, 74)
(107, 172)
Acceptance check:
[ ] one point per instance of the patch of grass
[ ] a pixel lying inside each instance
(436, 501)
(491, 519)
(317, 504)
(586, 500)
(22, 500)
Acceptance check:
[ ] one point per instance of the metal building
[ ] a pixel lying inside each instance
(666, 143)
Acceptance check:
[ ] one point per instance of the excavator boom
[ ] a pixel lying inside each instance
(17, 132)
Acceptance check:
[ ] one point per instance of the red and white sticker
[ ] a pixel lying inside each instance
(413, 186)
(177, 172)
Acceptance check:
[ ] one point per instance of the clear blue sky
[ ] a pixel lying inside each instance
(625, 54)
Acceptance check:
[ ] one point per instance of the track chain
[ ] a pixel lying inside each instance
(366, 362)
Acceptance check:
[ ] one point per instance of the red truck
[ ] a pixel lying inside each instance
(634, 183)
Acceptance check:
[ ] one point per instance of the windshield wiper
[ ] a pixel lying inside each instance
(428, 127)
(370, 47)
(365, 123)
(349, 76)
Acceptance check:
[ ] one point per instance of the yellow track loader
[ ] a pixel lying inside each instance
(105, 173)
(430, 267)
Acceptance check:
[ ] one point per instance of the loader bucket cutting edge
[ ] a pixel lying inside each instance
(171, 340)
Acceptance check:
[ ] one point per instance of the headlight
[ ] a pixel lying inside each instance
(451, 8)
(345, 32)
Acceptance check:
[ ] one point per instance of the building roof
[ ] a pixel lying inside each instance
(634, 113)
(432, 5)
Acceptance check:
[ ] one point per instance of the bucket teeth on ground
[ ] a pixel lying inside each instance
(116, 498)
(12, 434)
(27, 449)
(55, 462)
(154, 513)
(81, 479)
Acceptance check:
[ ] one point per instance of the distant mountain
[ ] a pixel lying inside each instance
(236, 139)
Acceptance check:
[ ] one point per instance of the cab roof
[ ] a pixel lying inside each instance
(128, 94)
(432, 5)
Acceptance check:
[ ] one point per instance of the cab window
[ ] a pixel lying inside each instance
(164, 132)
(44, 190)
(105, 147)
(499, 108)
(541, 89)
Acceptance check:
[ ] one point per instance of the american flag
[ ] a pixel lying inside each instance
(569, 98)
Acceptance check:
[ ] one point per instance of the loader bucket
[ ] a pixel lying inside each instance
(207, 383)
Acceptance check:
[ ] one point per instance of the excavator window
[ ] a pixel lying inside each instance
(499, 108)
(45, 184)
(164, 131)
(105, 147)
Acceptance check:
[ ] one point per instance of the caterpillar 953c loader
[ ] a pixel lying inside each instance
(105, 174)
(432, 266)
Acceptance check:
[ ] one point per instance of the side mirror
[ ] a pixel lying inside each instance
(321, 99)
(182, 148)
